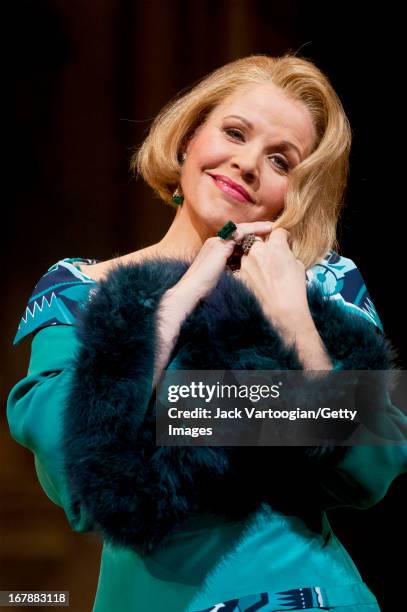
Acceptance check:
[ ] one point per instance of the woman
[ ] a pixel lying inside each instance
(255, 157)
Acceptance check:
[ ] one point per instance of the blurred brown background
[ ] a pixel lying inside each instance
(90, 76)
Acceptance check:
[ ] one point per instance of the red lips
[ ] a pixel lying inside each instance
(233, 185)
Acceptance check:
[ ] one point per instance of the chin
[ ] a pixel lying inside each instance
(211, 215)
(217, 220)
(214, 212)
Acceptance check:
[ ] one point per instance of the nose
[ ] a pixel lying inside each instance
(246, 164)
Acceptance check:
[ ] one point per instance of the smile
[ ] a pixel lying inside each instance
(229, 190)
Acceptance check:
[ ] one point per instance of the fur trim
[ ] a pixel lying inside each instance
(138, 493)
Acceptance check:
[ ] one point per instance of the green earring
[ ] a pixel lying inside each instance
(177, 197)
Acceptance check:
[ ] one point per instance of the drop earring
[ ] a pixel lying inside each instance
(177, 196)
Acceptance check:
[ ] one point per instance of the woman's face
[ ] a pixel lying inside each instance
(255, 149)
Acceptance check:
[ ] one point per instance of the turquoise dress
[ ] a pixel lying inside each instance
(267, 562)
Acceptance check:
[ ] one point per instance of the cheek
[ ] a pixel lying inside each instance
(275, 189)
(206, 151)
(273, 196)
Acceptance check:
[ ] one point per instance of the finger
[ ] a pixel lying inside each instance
(258, 228)
(280, 235)
(227, 246)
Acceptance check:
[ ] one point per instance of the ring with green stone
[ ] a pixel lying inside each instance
(226, 231)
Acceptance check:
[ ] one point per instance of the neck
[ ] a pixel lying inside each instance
(183, 239)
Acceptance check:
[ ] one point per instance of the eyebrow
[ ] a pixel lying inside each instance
(284, 145)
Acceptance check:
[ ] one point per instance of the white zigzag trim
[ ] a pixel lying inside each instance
(38, 307)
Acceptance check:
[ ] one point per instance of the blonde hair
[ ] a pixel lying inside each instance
(316, 187)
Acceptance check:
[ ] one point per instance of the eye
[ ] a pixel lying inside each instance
(234, 132)
(283, 165)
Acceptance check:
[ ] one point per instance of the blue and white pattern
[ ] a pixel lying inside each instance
(57, 297)
(64, 290)
(341, 280)
(304, 598)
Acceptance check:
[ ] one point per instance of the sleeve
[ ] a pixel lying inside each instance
(364, 473)
(34, 408)
(85, 377)
(363, 476)
(35, 403)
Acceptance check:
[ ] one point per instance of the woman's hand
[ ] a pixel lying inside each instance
(204, 272)
(277, 278)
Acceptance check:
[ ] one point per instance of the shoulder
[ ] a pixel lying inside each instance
(333, 272)
(340, 279)
(66, 287)
(57, 296)
(99, 270)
